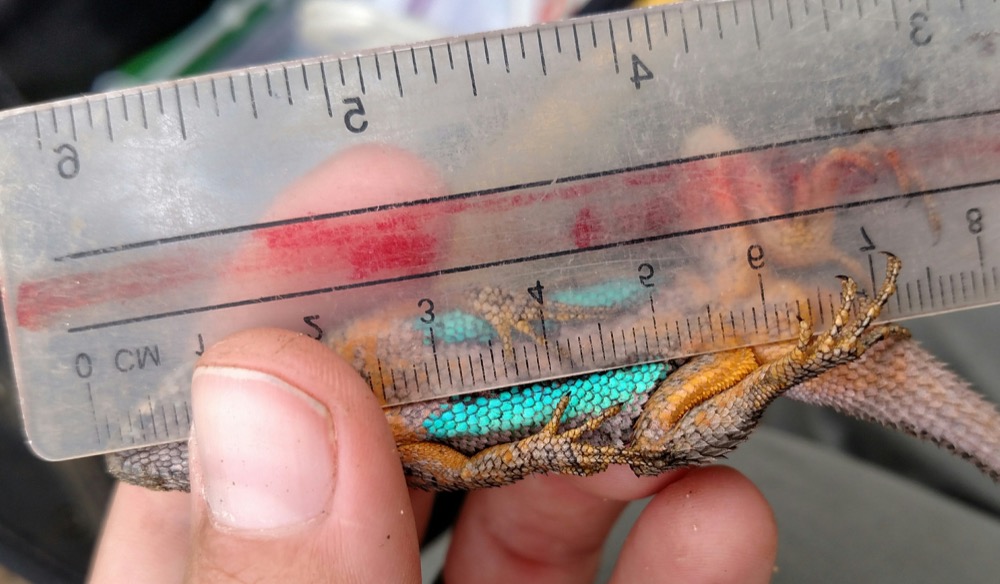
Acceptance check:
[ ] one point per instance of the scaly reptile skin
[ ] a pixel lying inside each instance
(660, 416)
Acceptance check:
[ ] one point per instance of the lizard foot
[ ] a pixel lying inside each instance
(713, 402)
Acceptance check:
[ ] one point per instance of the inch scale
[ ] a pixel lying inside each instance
(706, 168)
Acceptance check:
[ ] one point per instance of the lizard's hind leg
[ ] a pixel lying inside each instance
(712, 403)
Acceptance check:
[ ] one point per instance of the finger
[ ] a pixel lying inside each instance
(712, 525)
(295, 474)
(144, 539)
(542, 529)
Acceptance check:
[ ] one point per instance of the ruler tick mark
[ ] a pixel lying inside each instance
(593, 33)
(434, 69)
(326, 87)
(215, 96)
(628, 28)
(684, 32)
(253, 100)
(38, 129)
(826, 16)
(753, 19)
(159, 99)
(267, 79)
(576, 42)
(340, 67)
(558, 41)
(288, 85)
(451, 59)
(395, 67)
(503, 45)
(614, 48)
(107, 116)
(413, 59)
(701, 19)
(361, 74)
(649, 37)
(788, 9)
(180, 110)
(305, 76)
(486, 50)
(736, 14)
(520, 39)
(197, 98)
(472, 73)
(232, 88)
(541, 51)
(55, 120)
(72, 118)
(142, 108)
(718, 20)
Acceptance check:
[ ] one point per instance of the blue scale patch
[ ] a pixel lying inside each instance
(606, 295)
(457, 327)
(529, 406)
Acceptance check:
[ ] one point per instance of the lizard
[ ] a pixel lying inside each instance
(665, 415)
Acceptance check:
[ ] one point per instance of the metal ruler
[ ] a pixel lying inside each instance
(706, 167)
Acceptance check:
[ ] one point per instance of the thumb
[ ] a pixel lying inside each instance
(294, 473)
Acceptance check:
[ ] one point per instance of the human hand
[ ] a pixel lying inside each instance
(295, 477)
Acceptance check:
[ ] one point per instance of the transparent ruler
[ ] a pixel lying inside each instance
(637, 186)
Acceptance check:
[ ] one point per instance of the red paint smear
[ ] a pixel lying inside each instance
(405, 241)
(41, 302)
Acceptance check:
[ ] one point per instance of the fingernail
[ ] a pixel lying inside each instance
(265, 449)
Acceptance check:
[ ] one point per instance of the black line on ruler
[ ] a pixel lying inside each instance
(93, 411)
(520, 40)
(267, 78)
(55, 120)
(413, 59)
(107, 117)
(451, 59)
(684, 32)
(399, 80)
(159, 99)
(576, 43)
(340, 67)
(593, 33)
(558, 40)
(503, 47)
(232, 88)
(718, 20)
(472, 73)
(826, 17)
(434, 69)
(253, 98)
(305, 76)
(736, 15)
(288, 85)
(788, 9)
(649, 38)
(38, 130)
(361, 74)
(434, 352)
(90, 114)
(378, 75)
(215, 96)
(541, 51)
(614, 48)
(930, 286)
(628, 28)
(72, 118)
(543, 183)
(142, 106)
(486, 50)
(326, 88)
(753, 18)
(180, 110)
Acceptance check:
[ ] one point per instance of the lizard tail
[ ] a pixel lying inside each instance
(900, 385)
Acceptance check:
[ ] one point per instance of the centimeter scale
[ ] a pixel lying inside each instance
(705, 169)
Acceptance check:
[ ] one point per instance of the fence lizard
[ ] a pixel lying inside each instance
(664, 415)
